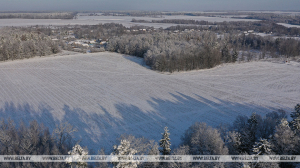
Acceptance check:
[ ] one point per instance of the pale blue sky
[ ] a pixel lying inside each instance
(157, 5)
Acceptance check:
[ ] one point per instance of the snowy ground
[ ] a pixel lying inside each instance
(94, 20)
(107, 94)
(288, 25)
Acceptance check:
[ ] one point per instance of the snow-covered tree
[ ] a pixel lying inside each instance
(204, 140)
(77, 152)
(284, 139)
(143, 146)
(295, 123)
(269, 123)
(296, 113)
(63, 133)
(245, 165)
(283, 123)
(233, 142)
(165, 143)
(262, 147)
(124, 150)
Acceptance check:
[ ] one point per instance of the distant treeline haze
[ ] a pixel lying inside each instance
(39, 15)
(220, 27)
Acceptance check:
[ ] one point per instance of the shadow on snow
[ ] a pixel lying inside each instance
(97, 130)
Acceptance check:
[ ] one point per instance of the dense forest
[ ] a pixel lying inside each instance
(171, 52)
(254, 135)
(19, 44)
(34, 139)
(200, 49)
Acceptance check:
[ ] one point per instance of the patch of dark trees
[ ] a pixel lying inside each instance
(100, 31)
(273, 17)
(103, 31)
(266, 26)
(197, 50)
(171, 52)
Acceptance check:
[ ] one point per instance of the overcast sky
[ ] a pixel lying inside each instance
(153, 5)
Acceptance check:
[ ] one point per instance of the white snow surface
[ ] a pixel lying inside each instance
(104, 95)
(124, 20)
(288, 25)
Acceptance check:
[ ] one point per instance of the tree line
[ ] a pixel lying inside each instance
(166, 51)
(272, 134)
(274, 17)
(38, 15)
(265, 26)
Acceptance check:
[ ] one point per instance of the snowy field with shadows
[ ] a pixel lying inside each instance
(104, 95)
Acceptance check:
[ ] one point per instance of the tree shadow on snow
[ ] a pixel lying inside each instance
(97, 130)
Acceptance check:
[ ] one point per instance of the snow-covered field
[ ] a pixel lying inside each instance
(288, 25)
(106, 94)
(94, 20)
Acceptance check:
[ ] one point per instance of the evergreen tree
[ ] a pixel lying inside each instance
(252, 127)
(124, 149)
(77, 152)
(234, 55)
(295, 123)
(262, 147)
(165, 143)
(296, 113)
(226, 57)
(248, 134)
